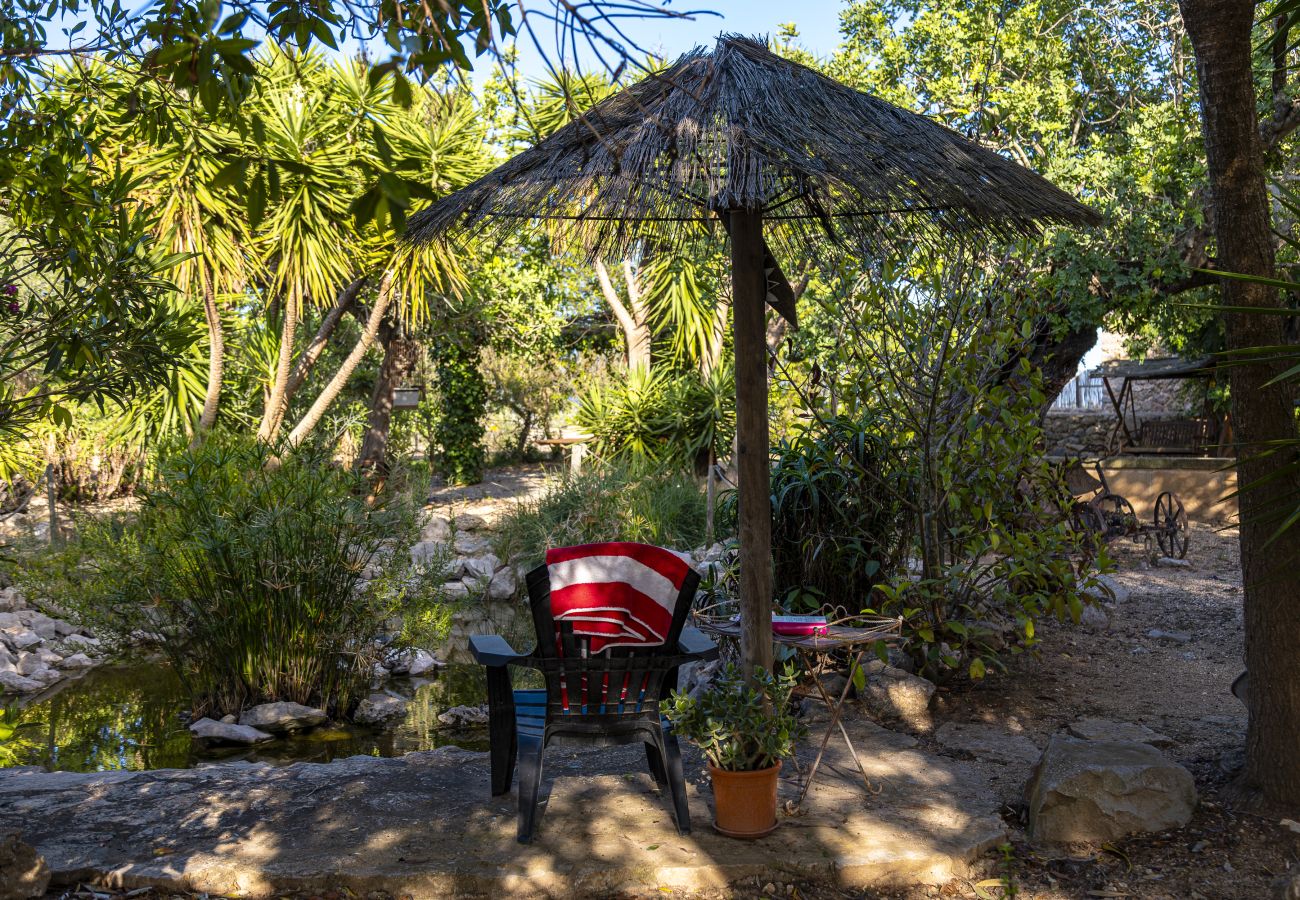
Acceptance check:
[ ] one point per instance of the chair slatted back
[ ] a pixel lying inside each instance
(602, 660)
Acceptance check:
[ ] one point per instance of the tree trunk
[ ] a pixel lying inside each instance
(749, 330)
(336, 384)
(398, 360)
(302, 368)
(630, 316)
(275, 400)
(216, 362)
(1220, 31)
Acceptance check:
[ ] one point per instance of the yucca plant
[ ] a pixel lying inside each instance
(245, 569)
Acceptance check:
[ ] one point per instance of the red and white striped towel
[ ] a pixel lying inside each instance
(616, 594)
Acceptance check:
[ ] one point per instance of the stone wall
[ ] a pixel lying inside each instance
(1078, 432)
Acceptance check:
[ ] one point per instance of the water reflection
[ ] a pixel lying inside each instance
(129, 717)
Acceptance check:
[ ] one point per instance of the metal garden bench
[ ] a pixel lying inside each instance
(610, 638)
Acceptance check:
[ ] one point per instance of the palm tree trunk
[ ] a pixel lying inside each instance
(398, 360)
(336, 384)
(302, 368)
(216, 362)
(273, 415)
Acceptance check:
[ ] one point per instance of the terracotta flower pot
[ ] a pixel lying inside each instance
(745, 802)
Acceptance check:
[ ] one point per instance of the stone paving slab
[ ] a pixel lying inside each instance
(424, 825)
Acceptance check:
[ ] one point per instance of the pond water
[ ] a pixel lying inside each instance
(129, 717)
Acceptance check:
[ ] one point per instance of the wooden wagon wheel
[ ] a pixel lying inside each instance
(1086, 521)
(1118, 514)
(1170, 525)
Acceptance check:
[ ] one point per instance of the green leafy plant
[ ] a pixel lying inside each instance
(659, 417)
(605, 503)
(835, 534)
(458, 433)
(739, 725)
(247, 569)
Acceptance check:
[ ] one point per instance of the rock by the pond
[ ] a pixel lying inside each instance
(13, 683)
(30, 663)
(987, 743)
(891, 693)
(455, 590)
(76, 661)
(225, 733)
(379, 708)
(1102, 790)
(427, 551)
(1091, 729)
(503, 584)
(436, 528)
(81, 641)
(23, 872)
(481, 567)
(24, 640)
(467, 544)
(282, 716)
(422, 661)
(462, 716)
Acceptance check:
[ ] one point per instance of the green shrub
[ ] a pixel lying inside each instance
(737, 726)
(835, 533)
(605, 503)
(661, 417)
(245, 568)
(458, 432)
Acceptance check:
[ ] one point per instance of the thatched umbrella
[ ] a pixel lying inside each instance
(740, 136)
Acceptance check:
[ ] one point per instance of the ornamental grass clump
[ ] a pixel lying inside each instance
(740, 726)
(246, 567)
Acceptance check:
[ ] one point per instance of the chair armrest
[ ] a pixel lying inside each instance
(695, 644)
(492, 650)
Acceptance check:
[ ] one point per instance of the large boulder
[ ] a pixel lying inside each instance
(1102, 790)
(379, 708)
(23, 872)
(503, 585)
(282, 716)
(464, 716)
(427, 551)
(435, 528)
(482, 567)
(891, 693)
(421, 662)
(227, 733)
(13, 683)
(468, 544)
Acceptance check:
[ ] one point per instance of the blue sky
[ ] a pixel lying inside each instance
(818, 22)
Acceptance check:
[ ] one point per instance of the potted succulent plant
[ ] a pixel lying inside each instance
(745, 729)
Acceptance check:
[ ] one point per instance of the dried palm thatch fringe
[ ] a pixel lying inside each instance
(740, 127)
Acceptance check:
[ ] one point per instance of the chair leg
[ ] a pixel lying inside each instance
(503, 742)
(655, 760)
(530, 782)
(677, 782)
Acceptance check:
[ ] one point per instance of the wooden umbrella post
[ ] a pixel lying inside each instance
(749, 293)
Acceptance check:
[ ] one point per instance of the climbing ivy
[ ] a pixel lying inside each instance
(458, 433)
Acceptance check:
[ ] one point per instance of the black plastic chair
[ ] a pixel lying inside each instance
(602, 699)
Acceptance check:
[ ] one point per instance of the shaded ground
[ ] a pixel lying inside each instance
(424, 826)
(1176, 685)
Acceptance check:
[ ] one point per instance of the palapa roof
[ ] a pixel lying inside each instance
(741, 127)
(1155, 368)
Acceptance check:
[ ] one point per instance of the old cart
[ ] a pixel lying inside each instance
(1107, 515)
